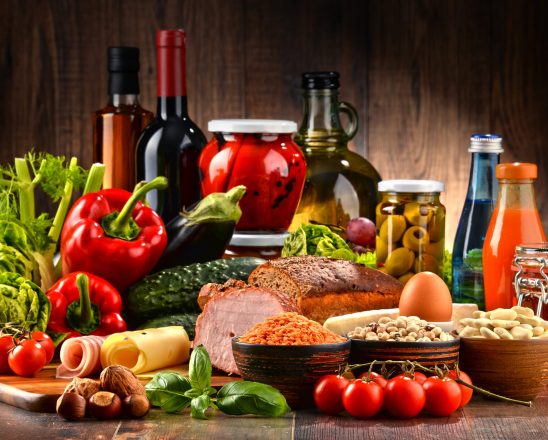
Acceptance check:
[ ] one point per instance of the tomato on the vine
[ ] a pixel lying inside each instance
(417, 376)
(328, 393)
(46, 342)
(443, 396)
(404, 397)
(363, 399)
(375, 377)
(466, 392)
(27, 358)
(6, 345)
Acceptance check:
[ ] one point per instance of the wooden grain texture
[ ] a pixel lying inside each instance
(423, 74)
(481, 420)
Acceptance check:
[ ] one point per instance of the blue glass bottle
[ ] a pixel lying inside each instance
(480, 202)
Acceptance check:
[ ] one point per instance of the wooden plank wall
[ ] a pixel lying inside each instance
(423, 75)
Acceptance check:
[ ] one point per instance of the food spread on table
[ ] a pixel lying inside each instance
(355, 305)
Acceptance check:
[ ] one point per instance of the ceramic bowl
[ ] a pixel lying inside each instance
(292, 369)
(427, 353)
(512, 368)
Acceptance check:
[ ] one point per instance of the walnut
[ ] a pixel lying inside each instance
(120, 380)
(84, 387)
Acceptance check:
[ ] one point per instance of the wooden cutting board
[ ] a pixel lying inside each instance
(40, 393)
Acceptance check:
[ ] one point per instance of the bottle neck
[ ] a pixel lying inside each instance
(171, 71)
(483, 184)
(171, 107)
(117, 100)
(517, 194)
(123, 83)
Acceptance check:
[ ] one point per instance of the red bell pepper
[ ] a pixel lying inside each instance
(112, 234)
(84, 304)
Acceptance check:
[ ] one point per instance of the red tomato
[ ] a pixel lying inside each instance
(443, 396)
(465, 391)
(363, 399)
(6, 344)
(404, 397)
(375, 377)
(417, 376)
(27, 358)
(47, 344)
(328, 393)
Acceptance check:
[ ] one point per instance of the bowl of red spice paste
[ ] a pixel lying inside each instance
(290, 352)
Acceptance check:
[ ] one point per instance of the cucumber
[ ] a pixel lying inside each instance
(175, 291)
(187, 320)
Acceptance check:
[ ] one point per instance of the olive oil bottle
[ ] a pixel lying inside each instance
(340, 184)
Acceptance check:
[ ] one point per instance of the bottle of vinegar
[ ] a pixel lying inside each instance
(171, 144)
(117, 127)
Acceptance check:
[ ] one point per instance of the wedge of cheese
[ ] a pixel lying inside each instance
(146, 350)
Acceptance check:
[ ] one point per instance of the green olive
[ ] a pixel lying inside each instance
(381, 250)
(405, 277)
(417, 214)
(399, 262)
(436, 227)
(426, 262)
(436, 249)
(416, 238)
(379, 216)
(393, 228)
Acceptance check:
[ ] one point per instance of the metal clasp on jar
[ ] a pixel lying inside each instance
(526, 286)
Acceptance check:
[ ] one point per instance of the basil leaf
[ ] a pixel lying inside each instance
(238, 398)
(199, 405)
(192, 393)
(199, 370)
(167, 390)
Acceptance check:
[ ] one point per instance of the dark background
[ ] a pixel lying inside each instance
(424, 75)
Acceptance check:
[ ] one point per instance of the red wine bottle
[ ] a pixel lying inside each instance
(171, 144)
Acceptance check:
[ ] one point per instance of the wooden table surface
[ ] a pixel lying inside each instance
(481, 419)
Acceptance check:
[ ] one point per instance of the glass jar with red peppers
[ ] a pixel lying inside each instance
(259, 154)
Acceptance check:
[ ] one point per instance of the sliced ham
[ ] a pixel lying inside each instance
(231, 311)
(80, 357)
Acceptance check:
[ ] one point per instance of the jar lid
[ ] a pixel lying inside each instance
(411, 186)
(258, 240)
(516, 171)
(485, 143)
(532, 248)
(251, 126)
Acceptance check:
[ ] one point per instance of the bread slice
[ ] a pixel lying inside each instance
(324, 287)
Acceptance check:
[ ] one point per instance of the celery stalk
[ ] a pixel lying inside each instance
(26, 190)
(63, 207)
(94, 181)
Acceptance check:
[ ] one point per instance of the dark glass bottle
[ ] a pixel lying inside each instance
(171, 144)
(340, 184)
(117, 127)
(476, 214)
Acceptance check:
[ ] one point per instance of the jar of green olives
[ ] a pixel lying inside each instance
(410, 222)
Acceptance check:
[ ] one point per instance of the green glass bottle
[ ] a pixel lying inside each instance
(340, 184)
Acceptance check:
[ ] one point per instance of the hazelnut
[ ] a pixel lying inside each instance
(105, 405)
(135, 406)
(121, 380)
(71, 406)
(84, 387)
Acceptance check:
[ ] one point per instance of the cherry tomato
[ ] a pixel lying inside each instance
(47, 344)
(375, 377)
(363, 399)
(404, 397)
(417, 376)
(443, 396)
(6, 345)
(465, 391)
(328, 393)
(27, 358)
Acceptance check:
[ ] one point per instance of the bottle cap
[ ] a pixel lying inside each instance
(320, 80)
(485, 143)
(411, 186)
(516, 171)
(170, 38)
(251, 126)
(123, 59)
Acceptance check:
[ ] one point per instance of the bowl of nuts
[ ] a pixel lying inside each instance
(403, 338)
(506, 351)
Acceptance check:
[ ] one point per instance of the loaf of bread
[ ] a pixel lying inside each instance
(325, 287)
